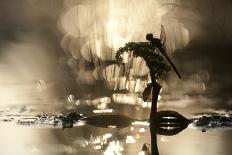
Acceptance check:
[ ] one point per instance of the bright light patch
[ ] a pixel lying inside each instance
(142, 130)
(114, 148)
(113, 34)
(142, 153)
(80, 124)
(99, 111)
(130, 139)
(141, 123)
(107, 135)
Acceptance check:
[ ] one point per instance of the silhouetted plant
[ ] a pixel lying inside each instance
(154, 60)
(157, 67)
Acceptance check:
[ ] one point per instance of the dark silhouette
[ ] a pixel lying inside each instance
(212, 120)
(67, 122)
(74, 116)
(167, 123)
(109, 121)
(161, 47)
(160, 122)
(103, 121)
(70, 119)
(147, 92)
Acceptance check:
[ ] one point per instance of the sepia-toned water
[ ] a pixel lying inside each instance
(21, 134)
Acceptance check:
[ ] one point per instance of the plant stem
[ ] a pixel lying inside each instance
(153, 124)
(155, 93)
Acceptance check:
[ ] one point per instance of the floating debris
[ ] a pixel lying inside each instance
(212, 120)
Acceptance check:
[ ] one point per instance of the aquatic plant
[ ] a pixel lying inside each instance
(153, 58)
(157, 66)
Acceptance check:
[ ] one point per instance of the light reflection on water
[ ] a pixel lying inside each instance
(87, 139)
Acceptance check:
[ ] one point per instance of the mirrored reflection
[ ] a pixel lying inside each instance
(166, 123)
(169, 123)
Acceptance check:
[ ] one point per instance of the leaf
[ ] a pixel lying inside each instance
(109, 121)
(154, 60)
